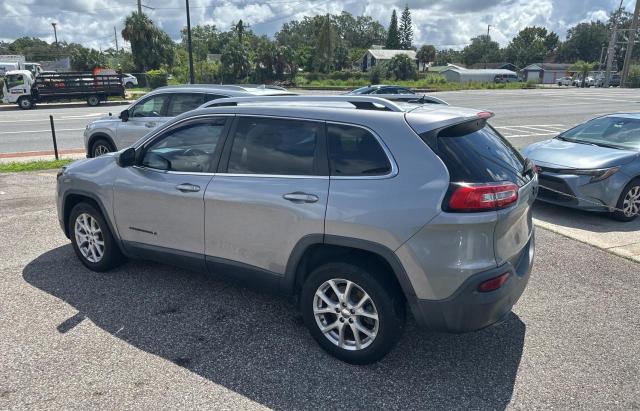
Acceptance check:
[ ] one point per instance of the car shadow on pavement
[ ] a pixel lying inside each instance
(256, 345)
(580, 219)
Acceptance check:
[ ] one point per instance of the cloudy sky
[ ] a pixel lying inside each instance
(445, 23)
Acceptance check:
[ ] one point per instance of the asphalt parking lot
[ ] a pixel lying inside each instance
(153, 336)
(523, 116)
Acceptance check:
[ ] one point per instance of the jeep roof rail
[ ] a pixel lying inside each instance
(359, 102)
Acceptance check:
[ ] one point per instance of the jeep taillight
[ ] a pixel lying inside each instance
(482, 197)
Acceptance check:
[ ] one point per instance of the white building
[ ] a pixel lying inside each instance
(376, 56)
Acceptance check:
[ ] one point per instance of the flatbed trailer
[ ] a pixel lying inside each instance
(26, 90)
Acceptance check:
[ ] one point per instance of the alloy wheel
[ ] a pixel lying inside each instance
(100, 149)
(631, 202)
(345, 314)
(89, 238)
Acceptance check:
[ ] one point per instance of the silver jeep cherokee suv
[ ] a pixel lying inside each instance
(357, 206)
(110, 133)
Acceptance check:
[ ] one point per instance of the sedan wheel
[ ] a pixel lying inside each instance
(631, 202)
(89, 238)
(628, 206)
(345, 314)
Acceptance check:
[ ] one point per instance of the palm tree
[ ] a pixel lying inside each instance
(583, 68)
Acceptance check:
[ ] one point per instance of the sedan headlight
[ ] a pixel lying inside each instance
(597, 174)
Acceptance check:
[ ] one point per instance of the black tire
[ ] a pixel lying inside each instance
(384, 294)
(619, 215)
(93, 100)
(25, 103)
(111, 257)
(98, 147)
(128, 84)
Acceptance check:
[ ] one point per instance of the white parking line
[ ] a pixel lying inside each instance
(519, 128)
(46, 119)
(531, 135)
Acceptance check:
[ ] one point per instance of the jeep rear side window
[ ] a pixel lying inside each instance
(482, 156)
(353, 151)
(274, 146)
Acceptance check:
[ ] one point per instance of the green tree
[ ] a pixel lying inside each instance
(448, 56)
(426, 54)
(393, 35)
(235, 61)
(151, 47)
(531, 45)
(406, 30)
(402, 67)
(326, 41)
(481, 50)
(204, 40)
(83, 59)
(584, 42)
(583, 68)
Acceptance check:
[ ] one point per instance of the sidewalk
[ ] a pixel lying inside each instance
(27, 156)
(598, 230)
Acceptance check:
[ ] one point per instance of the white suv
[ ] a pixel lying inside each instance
(154, 109)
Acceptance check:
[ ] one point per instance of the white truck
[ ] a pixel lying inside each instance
(5, 66)
(24, 89)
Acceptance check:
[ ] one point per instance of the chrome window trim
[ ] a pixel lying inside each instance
(394, 166)
(168, 127)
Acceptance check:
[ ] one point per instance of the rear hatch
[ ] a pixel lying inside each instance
(487, 174)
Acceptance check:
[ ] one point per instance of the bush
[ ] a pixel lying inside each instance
(633, 79)
(1, 86)
(377, 74)
(156, 78)
(530, 84)
(401, 67)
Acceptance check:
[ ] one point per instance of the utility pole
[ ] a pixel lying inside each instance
(629, 52)
(139, 6)
(488, 40)
(115, 35)
(611, 49)
(55, 33)
(191, 76)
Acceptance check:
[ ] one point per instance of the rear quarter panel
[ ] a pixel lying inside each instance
(389, 210)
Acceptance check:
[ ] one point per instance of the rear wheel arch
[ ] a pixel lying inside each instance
(315, 250)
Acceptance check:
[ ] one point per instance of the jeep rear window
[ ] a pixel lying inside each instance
(482, 156)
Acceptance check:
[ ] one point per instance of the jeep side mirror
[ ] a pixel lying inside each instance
(124, 115)
(127, 158)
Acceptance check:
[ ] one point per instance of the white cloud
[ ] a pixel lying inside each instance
(446, 23)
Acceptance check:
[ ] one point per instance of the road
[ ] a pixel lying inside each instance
(524, 116)
(151, 336)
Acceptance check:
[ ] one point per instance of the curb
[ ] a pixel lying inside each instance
(612, 250)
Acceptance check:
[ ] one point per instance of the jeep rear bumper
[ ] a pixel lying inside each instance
(469, 309)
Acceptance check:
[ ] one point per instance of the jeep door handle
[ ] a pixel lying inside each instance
(150, 124)
(188, 188)
(299, 197)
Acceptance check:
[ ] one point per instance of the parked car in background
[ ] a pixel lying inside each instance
(614, 81)
(589, 81)
(565, 81)
(379, 89)
(395, 93)
(129, 80)
(506, 78)
(110, 133)
(357, 205)
(594, 166)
